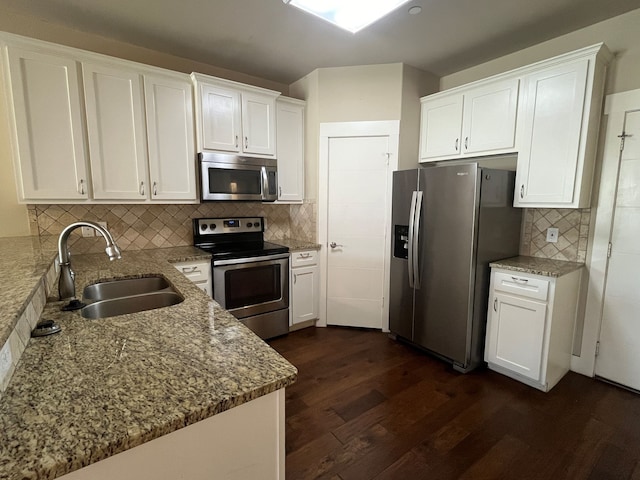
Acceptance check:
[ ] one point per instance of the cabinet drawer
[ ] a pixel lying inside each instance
(195, 271)
(303, 259)
(522, 285)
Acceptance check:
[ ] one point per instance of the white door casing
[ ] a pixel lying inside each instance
(602, 216)
(619, 354)
(354, 208)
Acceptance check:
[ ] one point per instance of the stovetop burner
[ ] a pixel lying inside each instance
(238, 237)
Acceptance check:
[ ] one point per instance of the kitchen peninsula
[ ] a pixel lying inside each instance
(102, 387)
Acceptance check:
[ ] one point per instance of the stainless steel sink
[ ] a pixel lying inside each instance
(130, 295)
(125, 287)
(133, 304)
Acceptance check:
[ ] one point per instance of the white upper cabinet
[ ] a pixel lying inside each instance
(235, 118)
(48, 130)
(290, 149)
(478, 120)
(440, 127)
(258, 123)
(489, 118)
(557, 142)
(170, 133)
(220, 118)
(116, 132)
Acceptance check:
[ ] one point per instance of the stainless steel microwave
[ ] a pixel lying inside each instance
(231, 177)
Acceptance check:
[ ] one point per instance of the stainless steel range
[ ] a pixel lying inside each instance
(250, 276)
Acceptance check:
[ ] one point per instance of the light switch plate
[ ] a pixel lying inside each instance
(552, 235)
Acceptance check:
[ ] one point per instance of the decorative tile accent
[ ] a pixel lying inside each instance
(139, 227)
(573, 226)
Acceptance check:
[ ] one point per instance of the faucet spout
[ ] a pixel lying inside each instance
(66, 284)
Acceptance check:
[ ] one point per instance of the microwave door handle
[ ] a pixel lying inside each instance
(265, 182)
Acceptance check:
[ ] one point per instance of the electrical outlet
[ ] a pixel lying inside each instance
(87, 232)
(552, 235)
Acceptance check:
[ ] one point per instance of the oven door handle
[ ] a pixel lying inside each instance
(238, 261)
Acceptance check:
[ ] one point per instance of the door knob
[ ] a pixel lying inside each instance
(335, 245)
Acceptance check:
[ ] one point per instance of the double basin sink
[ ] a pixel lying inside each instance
(128, 295)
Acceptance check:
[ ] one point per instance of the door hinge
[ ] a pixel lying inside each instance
(609, 250)
(622, 138)
(597, 348)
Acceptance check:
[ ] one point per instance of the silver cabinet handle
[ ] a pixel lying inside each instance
(457, 141)
(305, 255)
(279, 192)
(81, 187)
(246, 142)
(520, 280)
(236, 141)
(466, 143)
(142, 188)
(155, 188)
(295, 278)
(189, 269)
(335, 245)
(522, 191)
(495, 304)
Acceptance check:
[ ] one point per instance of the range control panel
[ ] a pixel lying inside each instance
(215, 226)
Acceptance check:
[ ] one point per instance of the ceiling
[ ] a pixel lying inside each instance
(269, 39)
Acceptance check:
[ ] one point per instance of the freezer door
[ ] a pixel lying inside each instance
(448, 224)
(405, 183)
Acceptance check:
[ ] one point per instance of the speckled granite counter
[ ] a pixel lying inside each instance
(537, 266)
(103, 386)
(297, 245)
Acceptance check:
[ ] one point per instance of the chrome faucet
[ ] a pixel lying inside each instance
(66, 285)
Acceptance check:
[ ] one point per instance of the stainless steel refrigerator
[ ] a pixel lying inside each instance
(448, 223)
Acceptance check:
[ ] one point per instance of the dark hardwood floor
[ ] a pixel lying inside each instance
(368, 407)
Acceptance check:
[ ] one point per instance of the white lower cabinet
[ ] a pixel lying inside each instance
(305, 287)
(199, 272)
(246, 441)
(530, 325)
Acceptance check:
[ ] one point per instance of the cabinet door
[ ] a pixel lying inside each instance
(515, 334)
(304, 294)
(169, 112)
(549, 143)
(290, 147)
(258, 123)
(220, 110)
(116, 131)
(440, 127)
(489, 118)
(51, 160)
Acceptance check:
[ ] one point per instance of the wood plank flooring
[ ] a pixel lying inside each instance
(367, 407)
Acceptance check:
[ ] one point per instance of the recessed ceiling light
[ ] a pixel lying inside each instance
(351, 15)
(415, 10)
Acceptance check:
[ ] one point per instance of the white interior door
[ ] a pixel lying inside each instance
(355, 207)
(619, 356)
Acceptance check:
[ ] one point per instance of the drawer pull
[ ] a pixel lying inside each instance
(495, 304)
(521, 281)
(189, 269)
(304, 255)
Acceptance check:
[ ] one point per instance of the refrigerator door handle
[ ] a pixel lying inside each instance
(416, 239)
(412, 214)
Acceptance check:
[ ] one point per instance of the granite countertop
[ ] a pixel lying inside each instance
(296, 245)
(100, 387)
(537, 266)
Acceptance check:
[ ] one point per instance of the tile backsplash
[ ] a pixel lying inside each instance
(138, 227)
(573, 233)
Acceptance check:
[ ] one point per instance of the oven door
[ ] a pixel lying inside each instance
(252, 286)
